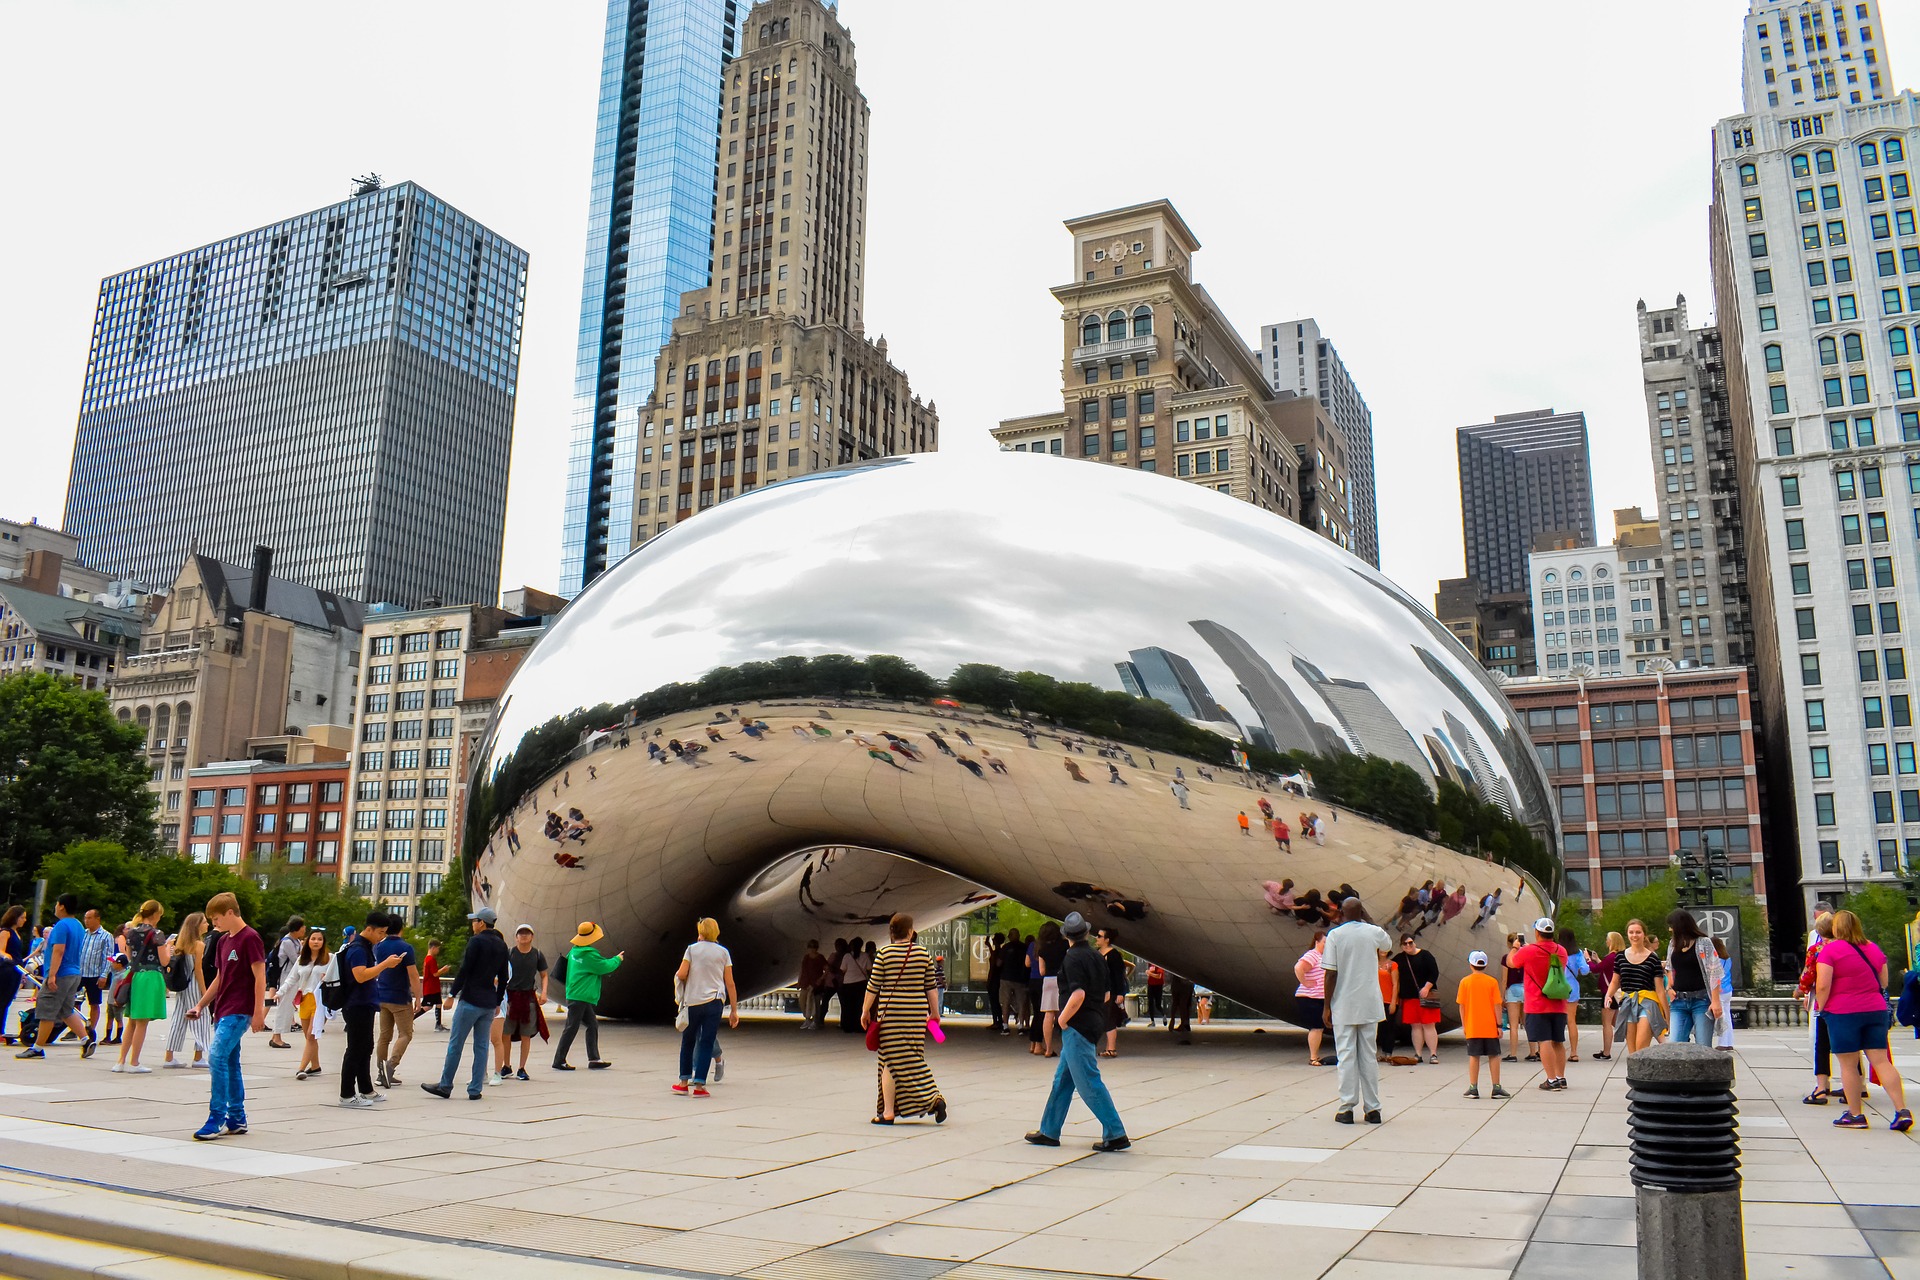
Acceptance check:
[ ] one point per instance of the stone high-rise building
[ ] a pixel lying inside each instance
(1816, 266)
(1522, 475)
(1701, 531)
(768, 373)
(1297, 357)
(1154, 376)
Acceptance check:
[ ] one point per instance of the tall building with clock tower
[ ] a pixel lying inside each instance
(1155, 377)
(768, 373)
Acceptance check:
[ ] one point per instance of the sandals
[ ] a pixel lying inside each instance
(1818, 1098)
(1315, 1062)
(1603, 1057)
(1576, 1058)
(1109, 1053)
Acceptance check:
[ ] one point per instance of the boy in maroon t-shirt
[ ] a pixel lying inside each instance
(1546, 1019)
(238, 995)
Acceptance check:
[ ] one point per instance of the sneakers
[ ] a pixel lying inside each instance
(1902, 1121)
(31, 1052)
(1473, 1091)
(563, 1066)
(681, 1087)
(1499, 1092)
(117, 1068)
(137, 1070)
(214, 1128)
(719, 1069)
(356, 1102)
(371, 1098)
(170, 1064)
(1553, 1086)
(236, 1130)
(438, 1090)
(600, 1065)
(201, 1064)
(699, 1091)
(1848, 1120)
(86, 1050)
(521, 1074)
(498, 1077)
(380, 1075)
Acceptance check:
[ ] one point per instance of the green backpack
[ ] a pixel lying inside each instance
(1556, 987)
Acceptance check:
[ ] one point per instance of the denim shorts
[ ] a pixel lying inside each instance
(1853, 1032)
(1516, 992)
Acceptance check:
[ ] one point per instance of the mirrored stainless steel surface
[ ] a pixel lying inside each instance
(629, 812)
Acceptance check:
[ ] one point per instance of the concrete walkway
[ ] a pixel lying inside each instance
(1237, 1168)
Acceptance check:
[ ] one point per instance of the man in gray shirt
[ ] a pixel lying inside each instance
(1354, 1008)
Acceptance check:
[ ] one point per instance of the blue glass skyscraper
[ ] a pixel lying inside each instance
(649, 239)
(338, 386)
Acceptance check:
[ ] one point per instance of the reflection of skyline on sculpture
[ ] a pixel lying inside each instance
(1302, 650)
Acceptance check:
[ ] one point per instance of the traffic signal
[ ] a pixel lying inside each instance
(1719, 873)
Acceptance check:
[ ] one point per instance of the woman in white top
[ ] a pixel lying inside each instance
(300, 992)
(704, 982)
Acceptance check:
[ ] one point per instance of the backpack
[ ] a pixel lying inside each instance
(559, 974)
(338, 986)
(178, 975)
(273, 968)
(1556, 986)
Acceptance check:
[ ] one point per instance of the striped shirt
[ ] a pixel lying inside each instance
(93, 953)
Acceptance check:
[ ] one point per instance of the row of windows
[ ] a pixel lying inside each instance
(1902, 760)
(402, 789)
(417, 642)
(378, 704)
(405, 730)
(297, 793)
(434, 850)
(415, 672)
(1600, 715)
(1888, 853)
(1866, 435)
(377, 761)
(399, 819)
(325, 852)
(1116, 326)
(1849, 485)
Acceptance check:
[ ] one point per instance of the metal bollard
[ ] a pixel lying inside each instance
(1685, 1163)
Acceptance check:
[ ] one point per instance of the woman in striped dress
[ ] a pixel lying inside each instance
(191, 942)
(902, 996)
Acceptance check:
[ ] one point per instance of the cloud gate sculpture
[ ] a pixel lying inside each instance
(921, 683)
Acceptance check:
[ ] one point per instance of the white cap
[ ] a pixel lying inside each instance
(1478, 959)
(1543, 925)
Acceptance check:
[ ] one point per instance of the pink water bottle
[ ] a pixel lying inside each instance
(933, 1029)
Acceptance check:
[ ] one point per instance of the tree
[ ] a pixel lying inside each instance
(897, 678)
(104, 876)
(68, 772)
(1884, 915)
(442, 914)
(319, 898)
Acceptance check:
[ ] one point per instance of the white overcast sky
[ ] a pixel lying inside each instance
(1469, 197)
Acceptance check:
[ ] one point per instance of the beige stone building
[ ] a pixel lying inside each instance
(1154, 376)
(769, 373)
(235, 662)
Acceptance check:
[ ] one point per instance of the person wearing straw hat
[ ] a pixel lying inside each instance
(585, 967)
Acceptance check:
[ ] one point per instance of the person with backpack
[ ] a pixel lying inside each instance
(280, 961)
(184, 976)
(1543, 962)
(147, 956)
(358, 970)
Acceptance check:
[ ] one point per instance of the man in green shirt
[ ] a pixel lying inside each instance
(585, 967)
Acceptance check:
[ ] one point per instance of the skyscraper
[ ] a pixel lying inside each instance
(1520, 475)
(776, 340)
(1155, 376)
(338, 386)
(1702, 534)
(1170, 677)
(1296, 357)
(649, 239)
(1814, 249)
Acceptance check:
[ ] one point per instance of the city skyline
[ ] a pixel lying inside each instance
(531, 177)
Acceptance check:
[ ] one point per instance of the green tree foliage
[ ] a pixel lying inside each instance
(317, 897)
(1651, 906)
(1884, 915)
(106, 877)
(69, 772)
(442, 914)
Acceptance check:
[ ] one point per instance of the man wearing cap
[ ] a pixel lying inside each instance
(477, 990)
(1546, 1019)
(1353, 1007)
(585, 967)
(1083, 992)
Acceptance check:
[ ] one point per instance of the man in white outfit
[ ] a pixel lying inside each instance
(1353, 1007)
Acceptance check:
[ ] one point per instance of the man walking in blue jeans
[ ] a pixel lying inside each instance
(477, 990)
(238, 996)
(1083, 1012)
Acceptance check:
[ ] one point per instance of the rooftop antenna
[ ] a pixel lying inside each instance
(366, 184)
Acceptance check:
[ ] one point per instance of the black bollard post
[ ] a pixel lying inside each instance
(1686, 1163)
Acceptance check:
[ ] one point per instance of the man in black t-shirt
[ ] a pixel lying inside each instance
(1083, 1019)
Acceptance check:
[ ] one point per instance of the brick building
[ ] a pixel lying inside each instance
(246, 812)
(1646, 767)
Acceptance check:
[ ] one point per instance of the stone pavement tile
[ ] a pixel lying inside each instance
(1424, 1251)
(561, 1200)
(1312, 1187)
(701, 1251)
(1023, 1207)
(1113, 1223)
(1250, 1251)
(1593, 1206)
(1547, 1261)
(1575, 1185)
(1089, 1255)
(1108, 1173)
(1904, 1245)
(1191, 1196)
(1358, 1164)
(798, 1224)
(1498, 1173)
(1352, 1268)
(1799, 1213)
(1888, 1193)
(954, 1180)
(1830, 1242)
(1572, 1228)
(1814, 1191)
(1445, 1211)
(1881, 1217)
(670, 1212)
(637, 1182)
(956, 1244)
(1807, 1266)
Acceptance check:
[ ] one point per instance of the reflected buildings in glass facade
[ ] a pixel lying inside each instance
(649, 239)
(338, 386)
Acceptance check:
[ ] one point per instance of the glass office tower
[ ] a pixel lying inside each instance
(649, 238)
(338, 386)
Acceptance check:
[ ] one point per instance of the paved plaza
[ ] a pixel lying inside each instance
(1237, 1169)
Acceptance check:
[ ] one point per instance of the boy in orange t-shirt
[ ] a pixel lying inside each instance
(1479, 1001)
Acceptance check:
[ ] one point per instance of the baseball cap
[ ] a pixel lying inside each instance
(1075, 925)
(487, 914)
(1543, 925)
(525, 928)
(1478, 959)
